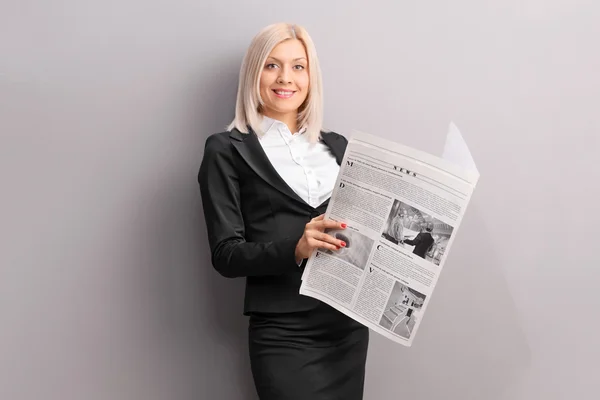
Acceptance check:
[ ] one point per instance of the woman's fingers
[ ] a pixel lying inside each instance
(315, 243)
(329, 224)
(319, 218)
(315, 237)
(324, 237)
(322, 224)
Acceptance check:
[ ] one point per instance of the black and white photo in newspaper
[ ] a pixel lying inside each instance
(402, 208)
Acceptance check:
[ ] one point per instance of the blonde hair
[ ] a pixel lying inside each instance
(248, 103)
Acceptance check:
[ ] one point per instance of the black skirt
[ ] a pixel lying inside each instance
(311, 355)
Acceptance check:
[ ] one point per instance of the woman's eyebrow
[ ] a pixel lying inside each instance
(279, 61)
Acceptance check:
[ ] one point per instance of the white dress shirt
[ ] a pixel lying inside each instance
(309, 170)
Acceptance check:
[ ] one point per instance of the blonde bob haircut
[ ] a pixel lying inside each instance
(249, 101)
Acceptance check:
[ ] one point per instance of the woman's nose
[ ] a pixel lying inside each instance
(284, 76)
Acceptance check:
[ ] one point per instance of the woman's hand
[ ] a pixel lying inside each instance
(314, 237)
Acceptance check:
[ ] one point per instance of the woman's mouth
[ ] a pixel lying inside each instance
(283, 94)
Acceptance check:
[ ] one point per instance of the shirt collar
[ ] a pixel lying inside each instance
(269, 125)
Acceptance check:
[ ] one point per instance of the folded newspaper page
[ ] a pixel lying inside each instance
(402, 208)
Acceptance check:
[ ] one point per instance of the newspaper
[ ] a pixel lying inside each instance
(402, 208)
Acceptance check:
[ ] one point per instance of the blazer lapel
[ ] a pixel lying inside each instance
(252, 152)
(336, 144)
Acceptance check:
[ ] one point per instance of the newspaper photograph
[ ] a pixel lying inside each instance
(404, 228)
(403, 208)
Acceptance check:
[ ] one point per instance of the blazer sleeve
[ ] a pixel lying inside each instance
(231, 255)
(415, 241)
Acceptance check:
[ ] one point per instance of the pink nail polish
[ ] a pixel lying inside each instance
(343, 244)
(343, 225)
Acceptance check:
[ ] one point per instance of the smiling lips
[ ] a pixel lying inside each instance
(283, 94)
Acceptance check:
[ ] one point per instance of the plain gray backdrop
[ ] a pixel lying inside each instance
(106, 288)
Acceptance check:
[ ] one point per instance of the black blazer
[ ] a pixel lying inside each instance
(254, 219)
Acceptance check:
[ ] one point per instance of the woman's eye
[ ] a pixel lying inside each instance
(271, 66)
(299, 67)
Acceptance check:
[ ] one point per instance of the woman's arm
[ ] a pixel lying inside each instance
(231, 255)
(415, 241)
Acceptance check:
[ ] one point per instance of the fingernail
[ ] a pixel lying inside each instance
(343, 225)
(343, 244)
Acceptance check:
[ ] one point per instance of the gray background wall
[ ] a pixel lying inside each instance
(106, 291)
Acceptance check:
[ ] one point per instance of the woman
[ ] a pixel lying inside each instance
(265, 184)
(396, 229)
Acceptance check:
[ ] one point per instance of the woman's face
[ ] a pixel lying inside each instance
(284, 80)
